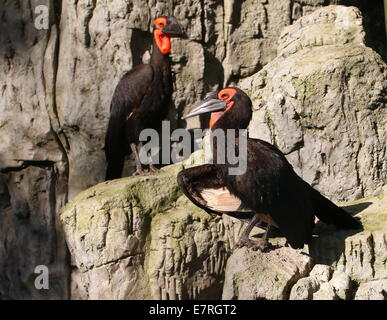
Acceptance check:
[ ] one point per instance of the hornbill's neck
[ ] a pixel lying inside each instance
(236, 117)
(159, 59)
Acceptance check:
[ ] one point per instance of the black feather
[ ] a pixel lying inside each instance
(329, 213)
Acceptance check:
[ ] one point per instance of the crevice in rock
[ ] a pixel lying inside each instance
(87, 19)
(46, 164)
(105, 232)
(271, 126)
(203, 22)
(5, 199)
(372, 253)
(56, 12)
(291, 8)
(296, 146)
(358, 179)
(109, 262)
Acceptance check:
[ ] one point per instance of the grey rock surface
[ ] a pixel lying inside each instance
(127, 243)
(326, 292)
(321, 272)
(33, 162)
(373, 290)
(256, 275)
(304, 288)
(322, 102)
(341, 284)
(339, 265)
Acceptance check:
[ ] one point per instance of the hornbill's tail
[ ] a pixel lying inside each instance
(329, 213)
(115, 151)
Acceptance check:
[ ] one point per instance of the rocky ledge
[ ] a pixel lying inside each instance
(139, 238)
(336, 265)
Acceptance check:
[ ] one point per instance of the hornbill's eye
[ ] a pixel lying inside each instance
(224, 96)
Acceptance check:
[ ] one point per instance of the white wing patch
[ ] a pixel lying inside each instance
(221, 199)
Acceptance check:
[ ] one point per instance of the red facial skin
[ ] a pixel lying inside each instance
(163, 41)
(226, 95)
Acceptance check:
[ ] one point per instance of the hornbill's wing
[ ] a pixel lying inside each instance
(193, 181)
(205, 187)
(130, 90)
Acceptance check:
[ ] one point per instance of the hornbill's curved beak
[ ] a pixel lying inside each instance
(173, 28)
(210, 103)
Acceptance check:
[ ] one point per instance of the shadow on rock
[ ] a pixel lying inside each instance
(328, 243)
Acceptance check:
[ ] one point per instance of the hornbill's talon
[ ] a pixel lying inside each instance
(153, 169)
(139, 173)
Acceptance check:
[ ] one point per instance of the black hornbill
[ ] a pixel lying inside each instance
(141, 100)
(268, 191)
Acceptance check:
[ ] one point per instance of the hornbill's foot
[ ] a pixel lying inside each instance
(139, 172)
(259, 244)
(153, 169)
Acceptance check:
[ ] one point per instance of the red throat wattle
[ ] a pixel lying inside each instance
(226, 95)
(163, 41)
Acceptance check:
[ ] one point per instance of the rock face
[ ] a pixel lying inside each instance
(33, 161)
(263, 275)
(56, 86)
(135, 238)
(336, 265)
(322, 102)
(138, 238)
(373, 290)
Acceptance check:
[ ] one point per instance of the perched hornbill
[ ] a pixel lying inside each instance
(268, 191)
(141, 100)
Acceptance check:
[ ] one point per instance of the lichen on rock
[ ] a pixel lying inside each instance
(142, 234)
